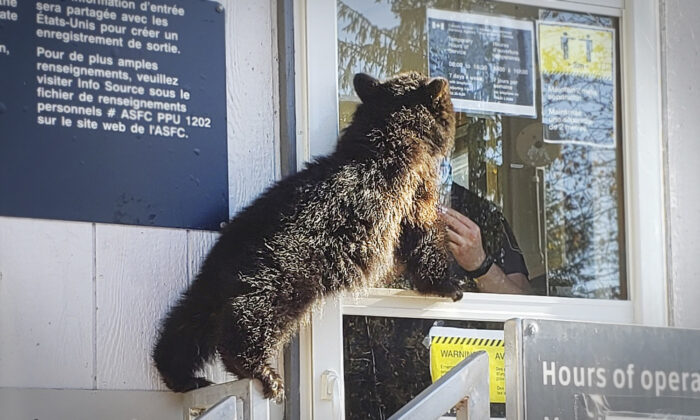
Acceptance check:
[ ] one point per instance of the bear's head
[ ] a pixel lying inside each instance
(411, 101)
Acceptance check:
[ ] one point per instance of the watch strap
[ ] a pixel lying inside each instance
(483, 268)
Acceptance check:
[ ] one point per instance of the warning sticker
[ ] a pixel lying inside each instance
(449, 346)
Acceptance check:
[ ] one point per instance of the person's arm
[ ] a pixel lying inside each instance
(496, 281)
(464, 242)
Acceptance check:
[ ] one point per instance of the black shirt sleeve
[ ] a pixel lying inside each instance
(513, 260)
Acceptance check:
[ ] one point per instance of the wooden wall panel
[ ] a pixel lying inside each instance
(46, 303)
(252, 92)
(140, 274)
(679, 69)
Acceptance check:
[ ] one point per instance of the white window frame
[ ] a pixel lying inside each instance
(321, 343)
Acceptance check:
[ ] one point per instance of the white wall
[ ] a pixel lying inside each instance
(681, 64)
(80, 302)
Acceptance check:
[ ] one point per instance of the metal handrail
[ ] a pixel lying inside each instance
(226, 409)
(469, 379)
(245, 394)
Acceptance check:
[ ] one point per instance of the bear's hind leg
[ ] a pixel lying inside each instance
(254, 366)
(273, 386)
(246, 349)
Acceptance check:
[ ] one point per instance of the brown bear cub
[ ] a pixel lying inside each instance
(348, 221)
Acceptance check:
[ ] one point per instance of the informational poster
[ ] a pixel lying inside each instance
(449, 346)
(488, 60)
(592, 371)
(577, 68)
(114, 111)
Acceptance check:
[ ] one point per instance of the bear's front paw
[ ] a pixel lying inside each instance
(451, 289)
(445, 287)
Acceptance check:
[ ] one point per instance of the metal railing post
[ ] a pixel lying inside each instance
(470, 379)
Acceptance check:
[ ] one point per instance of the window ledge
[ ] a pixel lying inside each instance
(485, 307)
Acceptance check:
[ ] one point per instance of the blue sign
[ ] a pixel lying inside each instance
(489, 61)
(114, 112)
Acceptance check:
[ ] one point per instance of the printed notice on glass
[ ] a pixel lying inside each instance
(114, 111)
(489, 61)
(449, 346)
(577, 67)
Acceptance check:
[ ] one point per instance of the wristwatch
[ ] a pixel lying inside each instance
(483, 268)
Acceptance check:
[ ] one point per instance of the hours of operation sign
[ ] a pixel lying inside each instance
(561, 370)
(114, 111)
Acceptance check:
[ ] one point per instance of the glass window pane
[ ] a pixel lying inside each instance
(387, 363)
(562, 202)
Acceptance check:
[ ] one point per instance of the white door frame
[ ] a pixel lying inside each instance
(317, 132)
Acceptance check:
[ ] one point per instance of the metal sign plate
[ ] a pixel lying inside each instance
(571, 370)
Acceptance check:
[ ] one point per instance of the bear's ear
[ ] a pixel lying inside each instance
(366, 86)
(436, 86)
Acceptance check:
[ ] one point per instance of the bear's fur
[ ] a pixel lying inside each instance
(350, 220)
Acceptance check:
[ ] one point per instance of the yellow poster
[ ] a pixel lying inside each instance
(449, 346)
(577, 74)
(576, 49)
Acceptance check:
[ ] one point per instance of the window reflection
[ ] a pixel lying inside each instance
(563, 201)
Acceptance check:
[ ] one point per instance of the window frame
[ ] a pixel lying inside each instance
(321, 342)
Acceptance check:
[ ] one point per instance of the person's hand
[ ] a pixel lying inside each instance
(463, 239)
